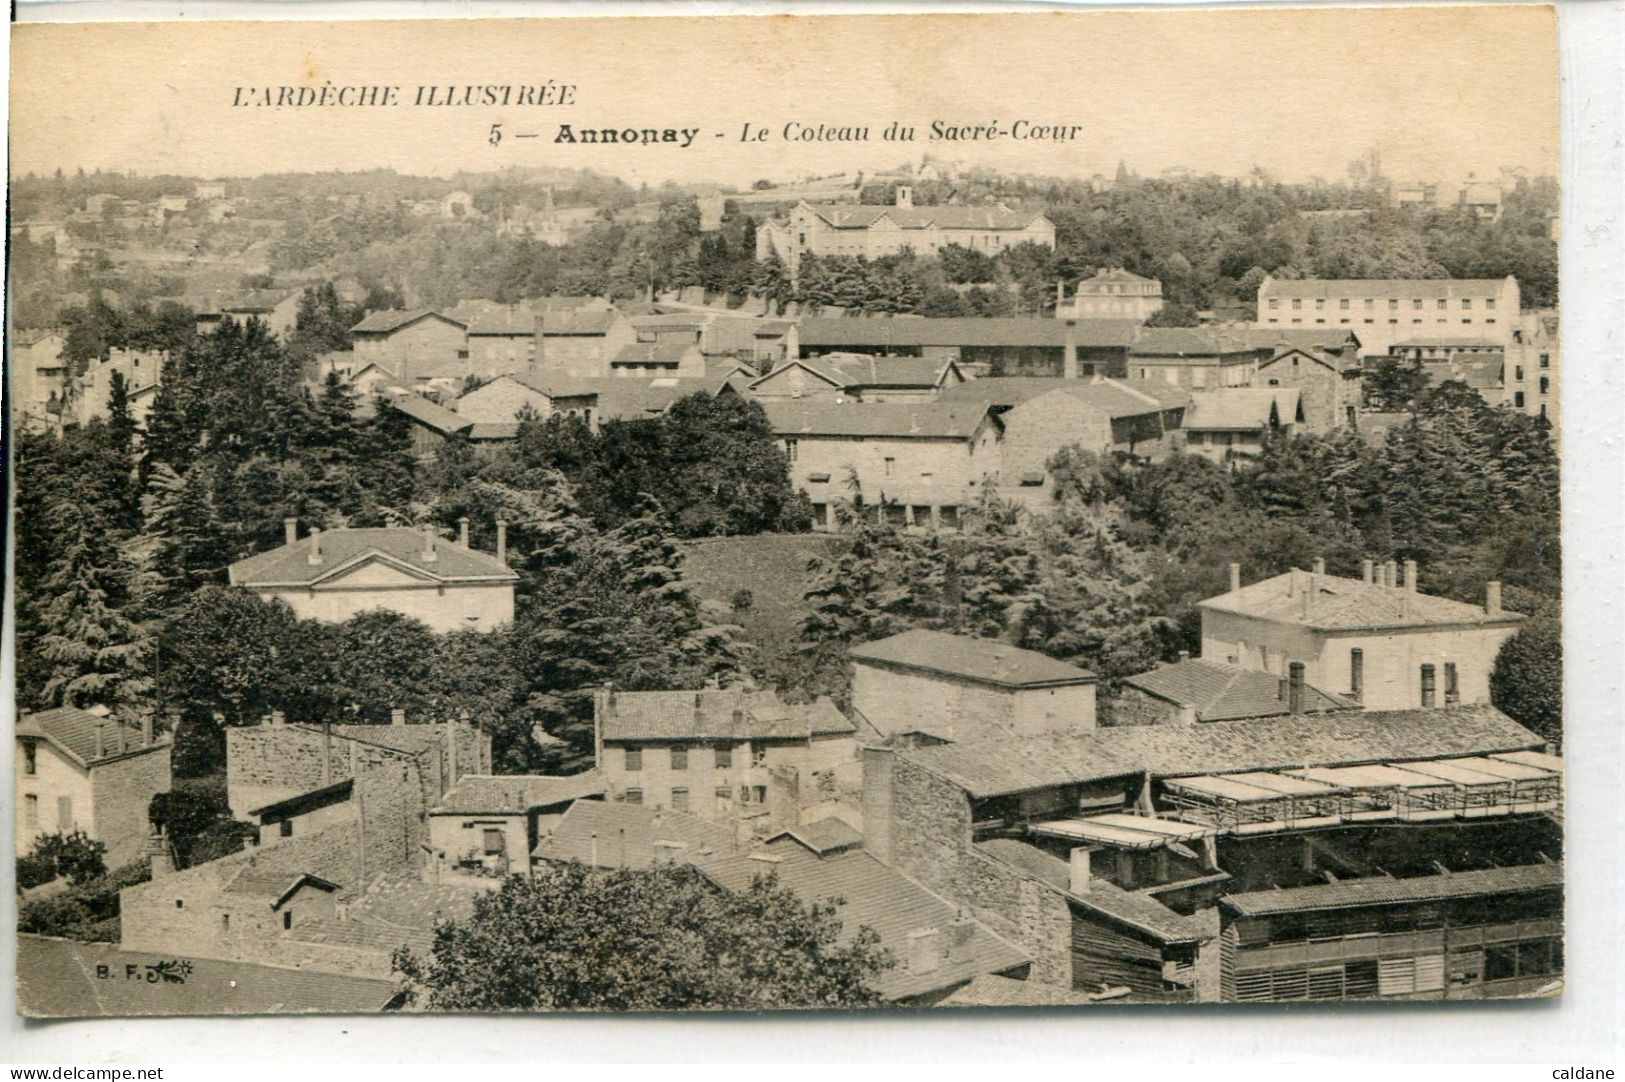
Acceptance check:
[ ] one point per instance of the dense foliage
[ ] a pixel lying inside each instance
(664, 938)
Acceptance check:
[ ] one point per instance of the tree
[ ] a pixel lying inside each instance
(1174, 314)
(1527, 681)
(74, 856)
(665, 938)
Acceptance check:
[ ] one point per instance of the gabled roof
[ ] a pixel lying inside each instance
(1114, 274)
(995, 767)
(862, 216)
(394, 319)
(1265, 337)
(605, 834)
(653, 353)
(718, 714)
(1242, 409)
(1114, 397)
(983, 661)
(1341, 604)
(427, 413)
(1481, 372)
(328, 795)
(72, 731)
(901, 331)
(1380, 287)
(1223, 692)
(592, 323)
(822, 416)
(823, 836)
(289, 565)
(1385, 890)
(858, 371)
(881, 898)
(993, 990)
(254, 301)
(1138, 911)
(1448, 342)
(1191, 342)
(515, 794)
(503, 322)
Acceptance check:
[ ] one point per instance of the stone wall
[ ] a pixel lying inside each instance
(1131, 706)
(122, 789)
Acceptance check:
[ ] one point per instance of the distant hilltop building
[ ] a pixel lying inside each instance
(874, 231)
(1384, 311)
(1113, 293)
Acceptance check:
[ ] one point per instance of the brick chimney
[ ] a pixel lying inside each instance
(1069, 354)
(397, 716)
(101, 739)
(462, 531)
(1320, 565)
(428, 544)
(1081, 875)
(146, 730)
(1235, 577)
(1367, 571)
(290, 530)
(1410, 576)
(278, 718)
(924, 950)
(1390, 573)
(315, 556)
(158, 854)
(502, 541)
(1492, 598)
(1294, 687)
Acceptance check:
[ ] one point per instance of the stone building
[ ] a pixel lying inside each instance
(39, 378)
(1228, 423)
(993, 346)
(724, 754)
(410, 342)
(1114, 293)
(278, 309)
(1195, 689)
(580, 343)
(937, 686)
(142, 371)
(1534, 369)
(487, 824)
(333, 575)
(1327, 382)
(76, 770)
(1385, 311)
(860, 376)
(1375, 639)
(869, 232)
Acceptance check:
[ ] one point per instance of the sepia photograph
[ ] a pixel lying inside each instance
(772, 513)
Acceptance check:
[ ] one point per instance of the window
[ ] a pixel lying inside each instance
(1545, 385)
(1393, 304)
(891, 464)
(287, 919)
(679, 800)
(1297, 303)
(180, 903)
(679, 757)
(1370, 303)
(30, 757)
(634, 796)
(31, 810)
(1428, 688)
(634, 760)
(493, 840)
(1489, 303)
(1517, 372)
(758, 753)
(790, 449)
(1517, 399)
(1466, 304)
(1343, 304)
(1320, 304)
(1500, 963)
(1356, 673)
(1452, 685)
(285, 828)
(1416, 304)
(724, 758)
(1275, 302)
(225, 922)
(1545, 360)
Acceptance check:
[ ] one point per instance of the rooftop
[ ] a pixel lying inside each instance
(427, 413)
(1193, 342)
(1382, 287)
(393, 319)
(993, 990)
(825, 835)
(718, 714)
(591, 323)
(1335, 603)
(73, 732)
(1223, 692)
(290, 565)
(862, 216)
(1114, 397)
(891, 331)
(56, 978)
(985, 661)
(824, 416)
(996, 767)
(605, 834)
(1384, 890)
(1448, 342)
(653, 353)
(1242, 409)
(514, 794)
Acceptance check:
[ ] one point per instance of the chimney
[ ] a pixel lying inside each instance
(1292, 582)
(462, 531)
(1184, 655)
(158, 854)
(1390, 573)
(451, 752)
(593, 852)
(315, 545)
(1069, 355)
(1492, 598)
(1081, 874)
(1410, 576)
(1235, 577)
(905, 196)
(1294, 687)
(1320, 565)
(327, 754)
(960, 933)
(290, 530)
(101, 739)
(397, 716)
(1060, 294)
(428, 544)
(278, 718)
(502, 541)
(1367, 572)
(924, 950)
(146, 729)
(1309, 588)
(123, 739)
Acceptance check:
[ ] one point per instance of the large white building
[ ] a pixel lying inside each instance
(1383, 311)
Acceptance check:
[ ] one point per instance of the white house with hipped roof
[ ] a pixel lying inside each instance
(332, 575)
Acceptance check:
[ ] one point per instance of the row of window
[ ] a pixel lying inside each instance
(1391, 322)
(679, 800)
(1406, 975)
(1323, 925)
(64, 812)
(1393, 304)
(722, 756)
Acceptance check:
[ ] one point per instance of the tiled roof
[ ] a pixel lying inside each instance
(653, 353)
(413, 739)
(889, 331)
(719, 714)
(327, 795)
(995, 767)
(986, 661)
(290, 564)
(428, 414)
(630, 836)
(505, 322)
(1105, 898)
(1114, 397)
(1383, 890)
(992, 990)
(1447, 342)
(268, 871)
(1338, 603)
(1484, 372)
(1241, 409)
(73, 731)
(1191, 342)
(1380, 287)
(589, 323)
(393, 319)
(862, 216)
(514, 794)
(56, 978)
(1222, 692)
(394, 911)
(254, 300)
(1268, 337)
(866, 371)
(1115, 274)
(823, 416)
(824, 835)
(878, 897)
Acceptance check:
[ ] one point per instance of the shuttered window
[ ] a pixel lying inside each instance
(1396, 976)
(1253, 986)
(1430, 973)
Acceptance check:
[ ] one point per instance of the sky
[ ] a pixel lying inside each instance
(1440, 92)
